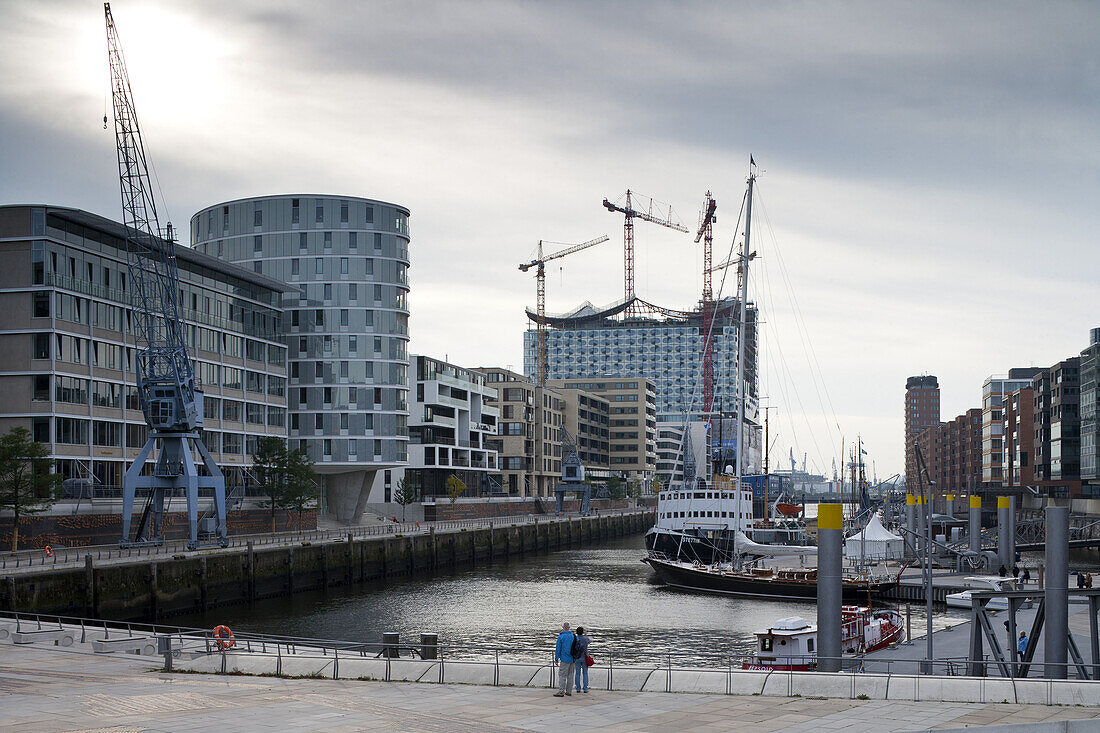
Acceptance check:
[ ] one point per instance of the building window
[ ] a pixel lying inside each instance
(257, 218)
(42, 346)
(368, 265)
(294, 264)
(318, 266)
(41, 305)
(343, 212)
(353, 241)
(343, 265)
(302, 244)
(377, 241)
(328, 240)
(319, 212)
(257, 243)
(294, 215)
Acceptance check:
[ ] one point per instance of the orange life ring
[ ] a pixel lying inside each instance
(49, 551)
(223, 637)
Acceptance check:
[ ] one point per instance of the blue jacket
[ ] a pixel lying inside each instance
(562, 652)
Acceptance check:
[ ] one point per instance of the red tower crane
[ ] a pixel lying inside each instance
(706, 233)
(656, 214)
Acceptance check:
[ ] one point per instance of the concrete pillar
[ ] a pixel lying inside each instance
(911, 522)
(975, 523)
(830, 544)
(1004, 531)
(1011, 533)
(1056, 592)
(950, 504)
(346, 494)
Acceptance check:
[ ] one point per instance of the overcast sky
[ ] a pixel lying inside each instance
(929, 171)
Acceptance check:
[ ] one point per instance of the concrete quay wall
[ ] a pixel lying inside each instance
(157, 588)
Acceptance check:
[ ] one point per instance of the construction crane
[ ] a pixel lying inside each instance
(706, 233)
(164, 371)
(540, 276)
(656, 214)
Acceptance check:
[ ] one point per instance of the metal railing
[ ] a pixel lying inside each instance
(860, 677)
(75, 556)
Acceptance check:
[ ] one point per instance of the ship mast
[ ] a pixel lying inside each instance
(743, 273)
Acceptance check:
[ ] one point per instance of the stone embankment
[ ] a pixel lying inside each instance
(157, 587)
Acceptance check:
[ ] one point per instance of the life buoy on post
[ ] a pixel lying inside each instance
(223, 637)
(49, 551)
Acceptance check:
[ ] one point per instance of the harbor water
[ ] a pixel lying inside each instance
(523, 602)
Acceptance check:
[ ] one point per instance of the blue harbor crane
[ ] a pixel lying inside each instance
(164, 371)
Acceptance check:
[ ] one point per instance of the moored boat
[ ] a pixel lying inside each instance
(792, 583)
(791, 643)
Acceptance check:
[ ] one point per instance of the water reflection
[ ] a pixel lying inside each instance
(522, 603)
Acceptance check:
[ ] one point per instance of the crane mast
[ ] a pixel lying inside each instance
(164, 371)
(706, 233)
(539, 263)
(630, 214)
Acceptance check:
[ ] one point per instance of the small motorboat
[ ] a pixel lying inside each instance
(791, 643)
(982, 583)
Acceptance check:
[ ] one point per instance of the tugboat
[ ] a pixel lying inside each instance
(791, 643)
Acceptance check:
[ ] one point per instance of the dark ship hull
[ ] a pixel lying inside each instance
(793, 584)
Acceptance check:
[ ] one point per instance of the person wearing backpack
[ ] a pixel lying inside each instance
(563, 655)
(580, 661)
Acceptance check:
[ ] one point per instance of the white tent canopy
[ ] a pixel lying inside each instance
(878, 543)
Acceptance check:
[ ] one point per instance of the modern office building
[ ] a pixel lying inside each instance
(1090, 416)
(633, 434)
(67, 346)
(922, 411)
(528, 440)
(663, 345)
(1019, 438)
(1057, 419)
(346, 326)
(450, 424)
(587, 417)
(993, 393)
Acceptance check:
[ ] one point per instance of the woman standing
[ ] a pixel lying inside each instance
(580, 663)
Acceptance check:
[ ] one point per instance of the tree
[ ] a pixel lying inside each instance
(455, 487)
(27, 485)
(407, 492)
(615, 487)
(267, 467)
(634, 488)
(285, 475)
(299, 491)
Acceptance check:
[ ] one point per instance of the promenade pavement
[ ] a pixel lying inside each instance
(48, 689)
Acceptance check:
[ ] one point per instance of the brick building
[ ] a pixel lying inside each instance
(922, 411)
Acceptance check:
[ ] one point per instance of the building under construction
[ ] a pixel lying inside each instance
(661, 344)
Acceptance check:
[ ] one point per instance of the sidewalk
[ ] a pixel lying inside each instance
(51, 690)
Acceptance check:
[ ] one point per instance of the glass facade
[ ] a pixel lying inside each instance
(69, 346)
(347, 322)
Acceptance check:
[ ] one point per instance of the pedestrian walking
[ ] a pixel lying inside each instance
(563, 655)
(580, 664)
(1080, 580)
(1088, 580)
(1021, 645)
(1025, 577)
(1002, 572)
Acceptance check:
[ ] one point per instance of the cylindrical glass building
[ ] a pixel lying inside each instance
(346, 330)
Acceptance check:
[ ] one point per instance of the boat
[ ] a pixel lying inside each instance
(761, 582)
(788, 509)
(983, 583)
(791, 643)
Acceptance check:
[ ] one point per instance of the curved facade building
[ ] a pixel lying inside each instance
(346, 327)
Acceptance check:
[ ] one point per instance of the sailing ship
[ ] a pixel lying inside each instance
(791, 643)
(764, 582)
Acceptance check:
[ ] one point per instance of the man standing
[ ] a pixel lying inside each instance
(563, 655)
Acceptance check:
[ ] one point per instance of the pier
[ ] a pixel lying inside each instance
(142, 583)
(121, 691)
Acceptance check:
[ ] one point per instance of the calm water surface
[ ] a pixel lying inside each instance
(522, 603)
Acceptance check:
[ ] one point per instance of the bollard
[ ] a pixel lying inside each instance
(830, 539)
(1004, 531)
(391, 642)
(429, 646)
(164, 646)
(1056, 593)
(911, 523)
(975, 523)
